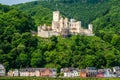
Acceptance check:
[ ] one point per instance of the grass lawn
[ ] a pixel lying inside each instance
(46, 78)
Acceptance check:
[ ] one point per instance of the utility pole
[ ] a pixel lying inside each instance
(56, 7)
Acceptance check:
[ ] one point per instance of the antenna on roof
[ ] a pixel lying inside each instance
(56, 7)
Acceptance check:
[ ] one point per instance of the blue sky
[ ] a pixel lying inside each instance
(10, 2)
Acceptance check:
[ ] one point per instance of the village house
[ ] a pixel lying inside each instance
(100, 73)
(14, 72)
(42, 72)
(83, 73)
(10, 73)
(2, 70)
(108, 72)
(24, 72)
(91, 71)
(116, 71)
(48, 72)
(70, 72)
(63, 26)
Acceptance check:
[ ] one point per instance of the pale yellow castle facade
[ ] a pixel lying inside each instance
(63, 26)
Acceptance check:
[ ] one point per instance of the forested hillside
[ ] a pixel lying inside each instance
(40, 14)
(19, 49)
(16, 41)
(83, 10)
(111, 21)
(108, 26)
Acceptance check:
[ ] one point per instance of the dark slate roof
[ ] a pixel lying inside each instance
(91, 68)
(83, 70)
(35, 69)
(69, 69)
(1, 66)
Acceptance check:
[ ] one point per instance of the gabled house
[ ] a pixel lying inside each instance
(108, 72)
(54, 72)
(70, 72)
(91, 71)
(2, 70)
(45, 72)
(100, 73)
(83, 73)
(31, 71)
(48, 72)
(66, 72)
(37, 72)
(10, 73)
(16, 72)
(116, 71)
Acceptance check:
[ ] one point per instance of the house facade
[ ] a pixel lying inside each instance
(91, 71)
(24, 72)
(63, 26)
(100, 73)
(83, 73)
(2, 70)
(10, 73)
(108, 72)
(16, 72)
(70, 72)
(116, 71)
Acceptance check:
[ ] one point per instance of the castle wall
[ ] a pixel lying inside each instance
(44, 34)
(90, 27)
(47, 34)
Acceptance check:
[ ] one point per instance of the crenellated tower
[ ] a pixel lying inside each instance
(55, 22)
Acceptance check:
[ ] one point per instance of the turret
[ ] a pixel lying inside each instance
(61, 24)
(66, 22)
(39, 30)
(90, 27)
(78, 26)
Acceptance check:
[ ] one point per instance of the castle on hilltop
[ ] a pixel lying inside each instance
(63, 26)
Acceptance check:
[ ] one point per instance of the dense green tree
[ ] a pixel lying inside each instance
(116, 41)
(37, 58)
(22, 60)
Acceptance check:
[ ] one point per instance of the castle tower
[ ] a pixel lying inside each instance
(39, 30)
(90, 27)
(55, 22)
(65, 22)
(61, 24)
(78, 26)
(56, 16)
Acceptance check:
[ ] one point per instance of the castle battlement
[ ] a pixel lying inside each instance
(63, 26)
